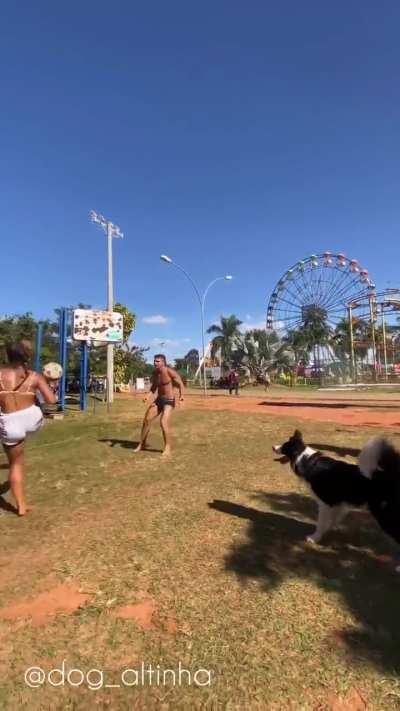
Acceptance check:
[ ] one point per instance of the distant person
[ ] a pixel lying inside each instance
(267, 381)
(19, 414)
(162, 387)
(233, 381)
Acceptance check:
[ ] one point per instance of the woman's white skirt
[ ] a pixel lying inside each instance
(14, 426)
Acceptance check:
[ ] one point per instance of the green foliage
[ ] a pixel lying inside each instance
(258, 351)
(129, 361)
(341, 340)
(226, 332)
(17, 327)
(188, 365)
(129, 320)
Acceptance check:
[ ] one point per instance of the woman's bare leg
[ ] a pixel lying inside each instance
(16, 460)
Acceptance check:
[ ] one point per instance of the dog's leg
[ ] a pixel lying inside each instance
(339, 512)
(326, 517)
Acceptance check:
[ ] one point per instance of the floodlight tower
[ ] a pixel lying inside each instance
(111, 231)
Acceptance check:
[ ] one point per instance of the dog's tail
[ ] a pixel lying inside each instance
(380, 462)
(378, 455)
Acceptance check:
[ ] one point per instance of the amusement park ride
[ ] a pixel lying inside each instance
(329, 303)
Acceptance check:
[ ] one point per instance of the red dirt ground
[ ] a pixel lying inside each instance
(62, 599)
(141, 612)
(368, 413)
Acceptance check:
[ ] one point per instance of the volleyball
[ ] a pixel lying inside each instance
(52, 371)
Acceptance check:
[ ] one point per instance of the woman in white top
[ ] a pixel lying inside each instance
(19, 414)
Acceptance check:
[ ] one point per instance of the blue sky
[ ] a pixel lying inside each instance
(235, 137)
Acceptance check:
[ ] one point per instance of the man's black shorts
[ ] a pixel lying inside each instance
(161, 402)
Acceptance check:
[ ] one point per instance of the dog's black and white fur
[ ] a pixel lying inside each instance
(338, 486)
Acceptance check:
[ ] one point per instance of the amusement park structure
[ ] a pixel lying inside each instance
(378, 318)
(327, 308)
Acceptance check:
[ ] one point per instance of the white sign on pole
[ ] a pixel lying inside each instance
(99, 326)
(214, 373)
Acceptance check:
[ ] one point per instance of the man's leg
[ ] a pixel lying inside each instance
(166, 431)
(150, 416)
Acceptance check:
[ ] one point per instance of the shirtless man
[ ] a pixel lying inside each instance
(162, 384)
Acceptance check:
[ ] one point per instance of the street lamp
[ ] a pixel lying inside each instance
(201, 299)
(111, 231)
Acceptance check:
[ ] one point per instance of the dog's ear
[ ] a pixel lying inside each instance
(298, 435)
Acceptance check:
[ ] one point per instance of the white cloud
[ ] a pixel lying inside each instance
(250, 326)
(157, 320)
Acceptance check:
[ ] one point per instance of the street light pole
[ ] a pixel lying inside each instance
(201, 300)
(228, 277)
(111, 231)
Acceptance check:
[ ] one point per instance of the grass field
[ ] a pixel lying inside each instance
(209, 550)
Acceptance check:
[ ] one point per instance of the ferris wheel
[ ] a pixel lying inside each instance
(319, 287)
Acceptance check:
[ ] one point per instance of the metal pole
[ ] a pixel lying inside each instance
(38, 345)
(203, 347)
(202, 318)
(63, 355)
(111, 231)
(110, 306)
(203, 301)
(372, 317)
(108, 396)
(353, 360)
(384, 342)
(83, 376)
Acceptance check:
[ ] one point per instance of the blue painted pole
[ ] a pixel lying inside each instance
(63, 355)
(38, 346)
(84, 375)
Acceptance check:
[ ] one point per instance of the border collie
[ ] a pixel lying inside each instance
(338, 486)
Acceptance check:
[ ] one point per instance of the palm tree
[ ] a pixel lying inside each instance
(258, 351)
(341, 340)
(225, 332)
(297, 340)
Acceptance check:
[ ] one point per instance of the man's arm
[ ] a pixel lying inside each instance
(177, 380)
(153, 388)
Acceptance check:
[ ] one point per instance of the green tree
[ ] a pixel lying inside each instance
(129, 363)
(226, 331)
(129, 321)
(129, 360)
(16, 328)
(24, 326)
(258, 351)
(313, 335)
(297, 340)
(189, 363)
(341, 338)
